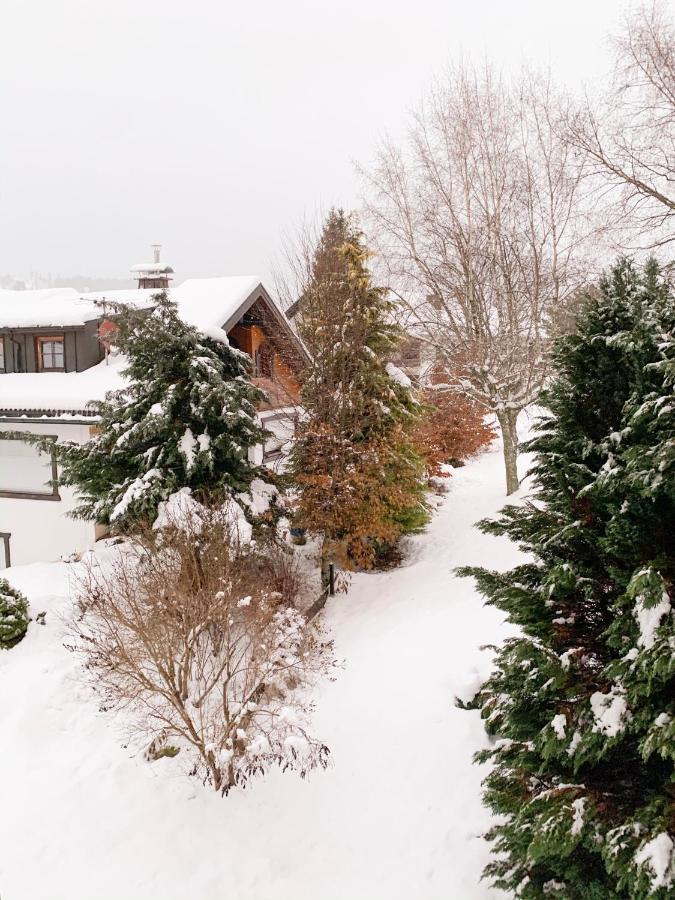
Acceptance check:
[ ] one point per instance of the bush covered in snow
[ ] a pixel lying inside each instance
(186, 418)
(187, 629)
(13, 615)
(582, 703)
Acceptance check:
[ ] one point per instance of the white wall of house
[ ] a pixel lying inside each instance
(38, 529)
(281, 424)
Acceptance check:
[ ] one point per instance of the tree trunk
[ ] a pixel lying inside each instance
(325, 563)
(507, 422)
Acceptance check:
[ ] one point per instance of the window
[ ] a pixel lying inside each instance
(281, 428)
(26, 473)
(5, 560)
(2, 353)
(49, 353)
(264, 361)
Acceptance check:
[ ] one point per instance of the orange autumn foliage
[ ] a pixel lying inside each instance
(453, 431)
(357, 495)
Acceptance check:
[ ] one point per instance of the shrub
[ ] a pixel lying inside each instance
(183, 629)
(453, 431)
(185, 418)
(580, 704)
(13, 615)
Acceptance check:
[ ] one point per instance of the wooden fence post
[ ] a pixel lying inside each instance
(331, 580)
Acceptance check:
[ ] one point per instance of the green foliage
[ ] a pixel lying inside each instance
(186, 419)
(582, 705)
(14, 617)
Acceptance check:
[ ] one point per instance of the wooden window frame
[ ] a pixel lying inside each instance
(274, 455)
(264, 359)
(4, 542)
(41, 339)
(34, 495)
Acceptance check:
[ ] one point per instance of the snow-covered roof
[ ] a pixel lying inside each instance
(33, 393)
(53, 306)
(151, 267)
(209, 304)
(202, 302)
(214, 302)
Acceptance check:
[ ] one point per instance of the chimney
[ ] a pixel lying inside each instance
(154, 275)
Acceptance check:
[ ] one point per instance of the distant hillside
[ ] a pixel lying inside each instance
(79, 282)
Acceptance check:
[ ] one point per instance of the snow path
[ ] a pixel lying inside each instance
(396, 816)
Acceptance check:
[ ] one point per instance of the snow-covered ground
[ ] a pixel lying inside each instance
(398, 814)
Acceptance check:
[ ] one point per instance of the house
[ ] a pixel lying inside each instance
(54, 364)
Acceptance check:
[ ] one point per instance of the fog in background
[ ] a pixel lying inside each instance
(214, 127)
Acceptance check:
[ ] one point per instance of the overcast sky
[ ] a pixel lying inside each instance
(214, 126)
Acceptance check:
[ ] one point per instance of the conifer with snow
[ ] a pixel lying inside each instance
(358, 471)
(13, 615)
(185, 419)
(582, 706)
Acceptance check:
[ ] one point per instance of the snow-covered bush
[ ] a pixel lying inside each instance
(185, 631)
(582, 702)
(13, 615)
(186, 418)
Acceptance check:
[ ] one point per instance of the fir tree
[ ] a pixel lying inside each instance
(582, 706)
(185, 419)
(13, 615)
(354, 459)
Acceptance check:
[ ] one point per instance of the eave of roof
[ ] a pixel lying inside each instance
(260, 293)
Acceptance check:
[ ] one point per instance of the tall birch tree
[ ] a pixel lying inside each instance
(627, 137)
(478, 219)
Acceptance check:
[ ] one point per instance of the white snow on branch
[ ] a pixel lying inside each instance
(578, 820)
(397, 375)
(215, 333)
(181, 510)
(260, 496)
(649, 619)
(134, 491)
(186, 446)
(610, 711)
(241, 528)
(659, 856)
(558, 724)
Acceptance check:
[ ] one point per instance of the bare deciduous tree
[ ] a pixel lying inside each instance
(184, 629)
(479, 223)
(629, 138)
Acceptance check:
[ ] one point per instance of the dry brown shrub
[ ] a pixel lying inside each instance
(453, 431)
(182, 628)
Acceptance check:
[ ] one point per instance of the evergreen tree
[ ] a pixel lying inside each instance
(582, 706)
(354, 459)
(13, 615)
(185, 419)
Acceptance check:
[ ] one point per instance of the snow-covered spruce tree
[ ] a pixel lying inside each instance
(13, 615)
(185, 419)
(359, 474)
(582, 706)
